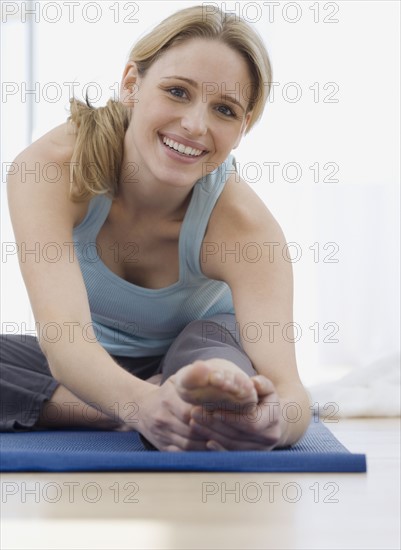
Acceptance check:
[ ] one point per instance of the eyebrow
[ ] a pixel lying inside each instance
(195, 85)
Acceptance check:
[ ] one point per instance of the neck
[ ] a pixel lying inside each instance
(142, 197)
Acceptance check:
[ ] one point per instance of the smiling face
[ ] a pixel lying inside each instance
(188, 111)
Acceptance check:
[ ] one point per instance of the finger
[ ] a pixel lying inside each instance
(184, 430)
(221, 430)
(213, 445)
(230, 438)
(250, 424)
(182, 443)
(242, 418)
(221, 442)
(265, 441)
(210, 432)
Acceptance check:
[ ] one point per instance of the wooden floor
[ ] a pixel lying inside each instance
(218, 510)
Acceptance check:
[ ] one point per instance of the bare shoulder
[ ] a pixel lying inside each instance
(47, 161)
(42, 215)
(240, 218)
(57, 144)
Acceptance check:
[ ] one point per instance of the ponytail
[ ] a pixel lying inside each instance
(98, 153)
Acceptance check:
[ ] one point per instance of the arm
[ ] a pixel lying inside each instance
(41, 213)
(261, 282)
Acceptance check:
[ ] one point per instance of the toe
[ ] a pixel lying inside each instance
(193, 376)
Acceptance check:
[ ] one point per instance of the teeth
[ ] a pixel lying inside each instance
(182, 148)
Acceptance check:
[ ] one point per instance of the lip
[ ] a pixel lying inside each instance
(186, 142)
(177, 156)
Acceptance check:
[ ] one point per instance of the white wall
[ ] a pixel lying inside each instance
(358, 132)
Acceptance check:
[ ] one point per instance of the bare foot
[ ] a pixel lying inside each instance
(214, 381)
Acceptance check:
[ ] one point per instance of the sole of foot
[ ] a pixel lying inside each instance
(216, 381)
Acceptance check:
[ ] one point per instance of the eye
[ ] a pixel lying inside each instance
(177, 92)
(226, 111)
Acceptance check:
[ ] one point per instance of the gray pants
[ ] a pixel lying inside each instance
(26, 381)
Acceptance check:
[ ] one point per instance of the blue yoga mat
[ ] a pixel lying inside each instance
(88, 451)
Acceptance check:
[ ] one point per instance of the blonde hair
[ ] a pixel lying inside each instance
(98, 153)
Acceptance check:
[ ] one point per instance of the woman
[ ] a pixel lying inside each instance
(148, 321)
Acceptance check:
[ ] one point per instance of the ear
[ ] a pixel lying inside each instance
(243, 129)
(129, 86)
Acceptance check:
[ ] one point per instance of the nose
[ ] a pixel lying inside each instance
(194, 120)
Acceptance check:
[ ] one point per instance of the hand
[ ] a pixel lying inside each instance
(164, 420)
(254, 427)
